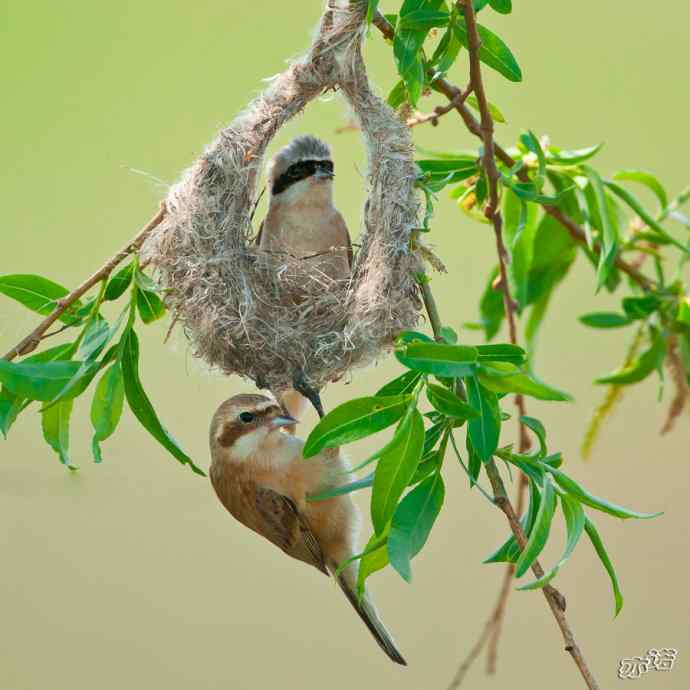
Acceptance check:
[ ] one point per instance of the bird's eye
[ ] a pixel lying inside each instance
(246, 417)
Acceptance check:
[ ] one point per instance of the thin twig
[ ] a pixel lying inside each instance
(31, 341)
(493, 214)
(439, 111)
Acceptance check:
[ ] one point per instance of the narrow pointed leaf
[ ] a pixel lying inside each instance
(38, 294)
(438, 358)
(571, 487)
(484, 431)
(55, 424)
(493, 51)
(599, 547)
(395, 469)
(354, 420)
(574, 524)
(140, 404)
(412, 523)
(106, 407)
(447, 403)
(646, 179)
(540, 533)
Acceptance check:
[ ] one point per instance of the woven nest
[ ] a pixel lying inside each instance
(231, 296)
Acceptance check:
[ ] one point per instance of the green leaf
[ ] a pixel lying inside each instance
(44, 381)
(106, 407)
(150, 306)
(637, 207)
(604, 319)
(493, 51)
(449, 404)
(641, 366)
(438, 358)
(55, 424)
(397, 95)
(520, 228)
(412, 523)
(405, 383)
(119, 283)
(494, 111)
(640, 307)
(509, 551)
(449, 335)
(533, 145)
(491, 308)
(498, 379)
(375, 558)
(428, 464)
(571, 487)
(396, 467)
(140, 404)
(574, 524)
(354, 420)
(96, 336)
(683, 313)
(372, 7)
(540, 432)
(503, 352)
(502, 6)
(445, 54)
(343, 489)
(646, 179)
(423, 20)
(609, 227)
(11, 405)
(540, 533)
(483, 431)
(599, 547)
(555, 155)
(407, 46)
(445, 171)
(38, 294)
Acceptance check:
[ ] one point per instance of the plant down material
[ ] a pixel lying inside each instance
(236, 301)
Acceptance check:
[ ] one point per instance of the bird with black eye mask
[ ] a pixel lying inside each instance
(303, 222)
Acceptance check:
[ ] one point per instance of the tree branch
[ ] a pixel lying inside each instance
(452, 93)
(484, 130)
(31, 341)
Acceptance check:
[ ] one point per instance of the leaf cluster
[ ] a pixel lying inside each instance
(102, 351)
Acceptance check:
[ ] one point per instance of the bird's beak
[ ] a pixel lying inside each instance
(283, 420)
(322, 174)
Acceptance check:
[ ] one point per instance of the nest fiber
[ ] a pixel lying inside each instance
(237, 303)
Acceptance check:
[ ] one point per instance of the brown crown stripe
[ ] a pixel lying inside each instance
(232, 430)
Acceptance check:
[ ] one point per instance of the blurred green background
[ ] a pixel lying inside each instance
(130, 574)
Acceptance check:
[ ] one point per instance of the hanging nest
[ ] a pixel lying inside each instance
(230, 295)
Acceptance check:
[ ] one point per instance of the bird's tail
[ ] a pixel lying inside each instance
(367, 612)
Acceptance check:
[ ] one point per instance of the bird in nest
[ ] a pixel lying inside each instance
(303, 223)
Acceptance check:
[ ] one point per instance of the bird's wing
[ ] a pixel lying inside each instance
(283, 524)
(343, 236)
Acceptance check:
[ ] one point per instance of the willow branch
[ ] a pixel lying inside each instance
(452, 92)
(31, 341)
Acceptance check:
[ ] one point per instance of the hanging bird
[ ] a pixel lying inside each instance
(260, 476)
(302, 221)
